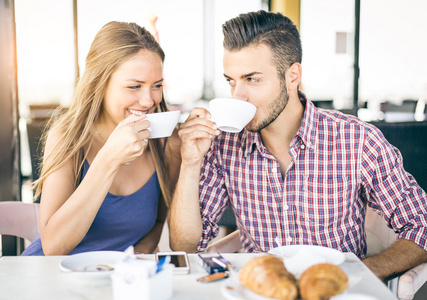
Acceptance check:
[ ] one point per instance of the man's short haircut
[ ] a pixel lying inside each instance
(275, 30)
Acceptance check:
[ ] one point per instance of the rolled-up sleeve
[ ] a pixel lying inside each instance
(213, 198)
(394, 192)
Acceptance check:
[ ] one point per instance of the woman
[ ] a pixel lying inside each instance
(103, 184)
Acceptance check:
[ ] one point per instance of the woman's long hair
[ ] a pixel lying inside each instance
(113, 44)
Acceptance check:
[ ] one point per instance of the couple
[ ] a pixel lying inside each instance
(298, 173)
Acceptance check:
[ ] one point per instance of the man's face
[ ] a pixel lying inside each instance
(253, 77)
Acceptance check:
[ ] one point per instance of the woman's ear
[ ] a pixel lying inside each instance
(293, 76)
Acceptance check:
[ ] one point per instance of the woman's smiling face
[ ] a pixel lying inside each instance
(135, 87)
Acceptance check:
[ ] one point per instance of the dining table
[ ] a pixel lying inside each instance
(39, 277)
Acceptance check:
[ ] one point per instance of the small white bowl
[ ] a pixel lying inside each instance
(162, 124)
(231, 115)
(93, 265)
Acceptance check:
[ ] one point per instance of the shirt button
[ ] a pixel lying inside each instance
(273, 169)
(302, 146)
(286, 207)
(289, 239)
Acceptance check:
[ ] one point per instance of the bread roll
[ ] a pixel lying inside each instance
(267, 276)
(322, 281)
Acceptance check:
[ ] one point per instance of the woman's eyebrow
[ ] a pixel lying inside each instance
(141, 81)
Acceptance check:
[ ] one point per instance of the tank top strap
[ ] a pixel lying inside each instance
(164, 145)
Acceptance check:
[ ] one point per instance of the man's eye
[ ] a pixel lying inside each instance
(254, 80)
(230, 81)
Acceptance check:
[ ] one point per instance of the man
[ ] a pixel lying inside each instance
(298, 173)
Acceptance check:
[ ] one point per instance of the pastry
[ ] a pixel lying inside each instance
(267, 276)
(322, 281)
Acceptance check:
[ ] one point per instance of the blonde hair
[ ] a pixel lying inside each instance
(113, 44)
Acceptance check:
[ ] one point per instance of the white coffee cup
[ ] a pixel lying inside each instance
(231, 115)
(162, 124)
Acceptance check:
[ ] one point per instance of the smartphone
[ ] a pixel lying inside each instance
(179, 259)
(213, 262)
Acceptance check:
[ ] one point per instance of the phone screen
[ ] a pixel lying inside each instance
(178, 260)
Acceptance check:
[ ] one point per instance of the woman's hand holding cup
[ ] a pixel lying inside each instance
(129, 139)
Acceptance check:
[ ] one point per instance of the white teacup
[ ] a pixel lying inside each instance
(231, 115)
(162, 124)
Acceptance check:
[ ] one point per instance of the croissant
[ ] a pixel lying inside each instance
(322, 281)
(266, 275)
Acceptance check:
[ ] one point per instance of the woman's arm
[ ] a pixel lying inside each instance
(66, 213)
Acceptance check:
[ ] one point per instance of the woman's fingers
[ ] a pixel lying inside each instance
(137, 126)
(131, 119)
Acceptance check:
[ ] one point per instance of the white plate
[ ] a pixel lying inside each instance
(232, 289)
(95, 264)
(301, 257)
(353, 297)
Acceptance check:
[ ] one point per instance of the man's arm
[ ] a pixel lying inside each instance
(185, 222)
(402, 202)
(401, 256)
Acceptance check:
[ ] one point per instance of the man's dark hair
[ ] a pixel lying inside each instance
(275, 30)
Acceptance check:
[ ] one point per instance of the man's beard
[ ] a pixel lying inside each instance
(274, 109)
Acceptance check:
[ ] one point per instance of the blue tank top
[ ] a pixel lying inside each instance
(120, 221)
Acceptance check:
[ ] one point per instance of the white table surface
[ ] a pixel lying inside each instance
(40, 278)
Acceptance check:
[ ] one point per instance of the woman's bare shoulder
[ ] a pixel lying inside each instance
(54, 136)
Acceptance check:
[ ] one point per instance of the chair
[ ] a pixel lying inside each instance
(379, 237)
(19, 219)
(410, 139)
(35, 131)
(228, 221)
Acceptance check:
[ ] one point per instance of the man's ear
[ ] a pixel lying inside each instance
(293, 76)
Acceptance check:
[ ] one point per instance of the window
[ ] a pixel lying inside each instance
(46, 43)
(393, 50)
(45, 51)
(327, 34)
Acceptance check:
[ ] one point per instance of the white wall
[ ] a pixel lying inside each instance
(393, 49)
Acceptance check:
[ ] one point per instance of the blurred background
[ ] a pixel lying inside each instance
(53, 38)
(366, 58)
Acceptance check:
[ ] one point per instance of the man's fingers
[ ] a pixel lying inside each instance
(211, 130)
(194, 135)
(199, 112)
(197, 121)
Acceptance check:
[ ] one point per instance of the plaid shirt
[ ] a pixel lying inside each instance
(339, 166)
